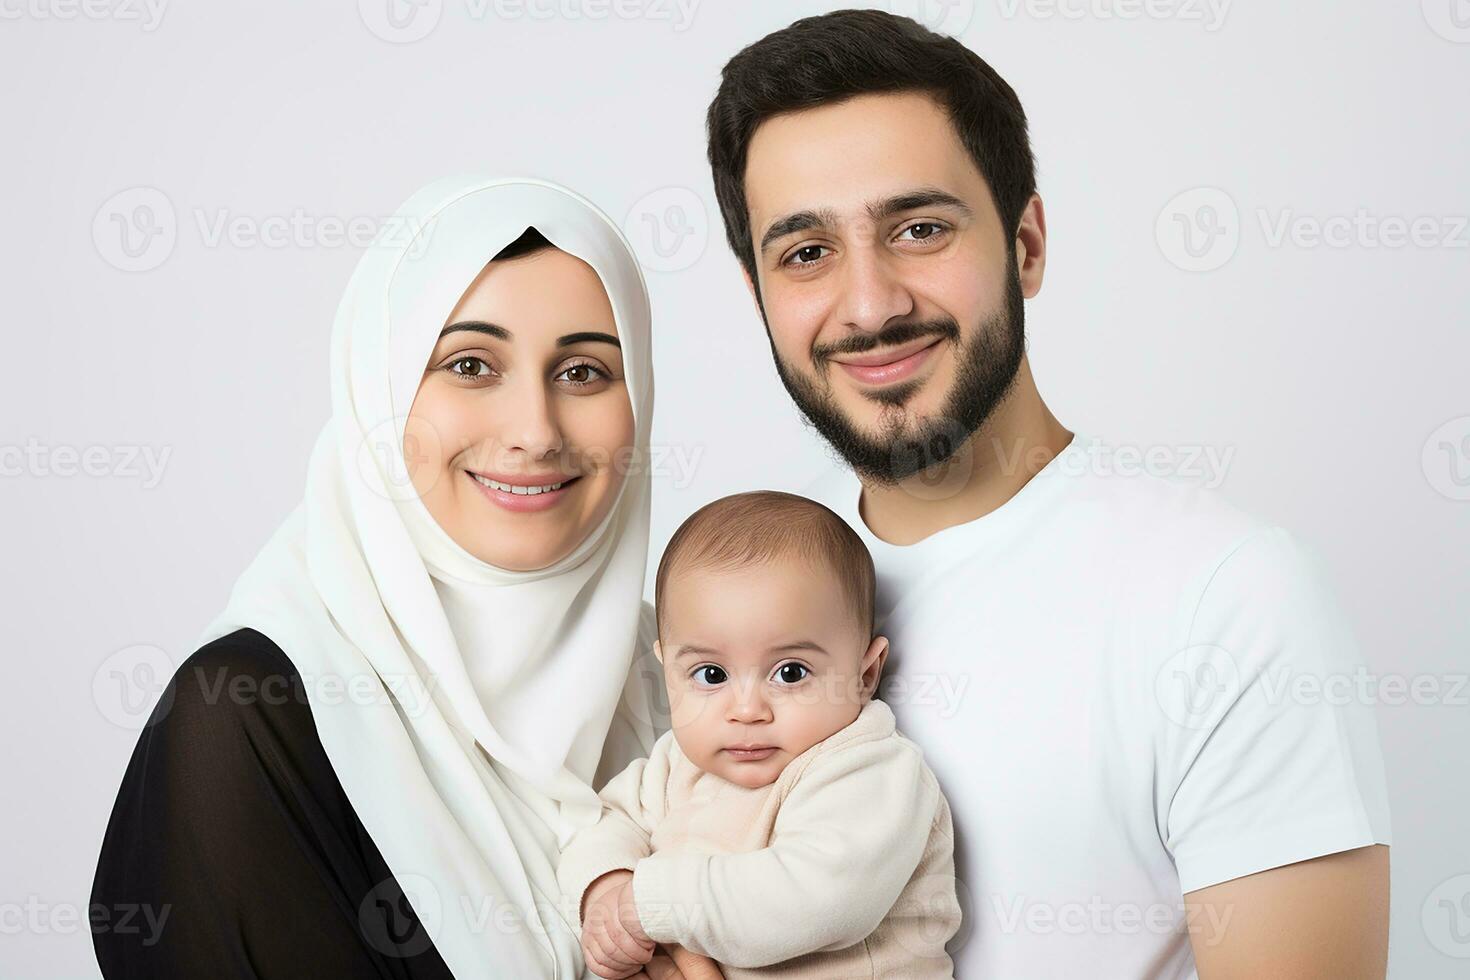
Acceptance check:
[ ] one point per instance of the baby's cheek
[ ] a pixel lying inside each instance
(687, 710)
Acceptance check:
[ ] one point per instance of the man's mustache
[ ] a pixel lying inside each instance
(890, 336)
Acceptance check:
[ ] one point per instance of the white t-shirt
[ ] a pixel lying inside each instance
(1129, 690)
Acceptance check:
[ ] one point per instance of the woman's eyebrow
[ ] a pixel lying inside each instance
(586, 335)
(479, 326)
(500, 333)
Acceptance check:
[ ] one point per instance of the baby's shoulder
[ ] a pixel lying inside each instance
(870, 750)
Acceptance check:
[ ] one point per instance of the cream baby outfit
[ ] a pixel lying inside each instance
(841, 868)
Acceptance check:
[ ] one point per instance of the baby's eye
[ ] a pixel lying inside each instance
(708, 675)
(792, 673)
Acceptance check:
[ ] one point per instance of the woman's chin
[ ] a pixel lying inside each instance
(517, 559)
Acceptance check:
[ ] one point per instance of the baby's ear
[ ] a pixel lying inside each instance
(873, 660)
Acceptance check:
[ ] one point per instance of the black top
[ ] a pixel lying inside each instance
(232, 851)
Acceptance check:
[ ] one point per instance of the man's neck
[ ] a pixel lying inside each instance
(1020, 437)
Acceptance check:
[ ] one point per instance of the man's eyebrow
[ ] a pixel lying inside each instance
(585, 335)
(790, 224)
(479, 326)
(924, 197)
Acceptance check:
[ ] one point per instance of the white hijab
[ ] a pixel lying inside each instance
(464, 707)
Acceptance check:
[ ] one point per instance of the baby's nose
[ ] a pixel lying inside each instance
(749, 705)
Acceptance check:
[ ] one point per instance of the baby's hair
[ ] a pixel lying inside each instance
(746, 529)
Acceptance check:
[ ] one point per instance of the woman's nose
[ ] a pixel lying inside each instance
(528, 422)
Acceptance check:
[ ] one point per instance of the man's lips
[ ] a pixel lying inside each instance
(888, 364)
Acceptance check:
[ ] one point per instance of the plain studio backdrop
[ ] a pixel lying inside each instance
(1258, 279)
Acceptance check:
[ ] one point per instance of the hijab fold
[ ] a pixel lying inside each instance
(464, 707)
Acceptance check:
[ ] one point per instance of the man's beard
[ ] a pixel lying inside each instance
(985, 368)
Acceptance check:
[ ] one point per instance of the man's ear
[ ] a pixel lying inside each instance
(1031, 247)
(658, 651)
(873, 660)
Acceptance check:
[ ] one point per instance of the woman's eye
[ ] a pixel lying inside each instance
(807, 254)
(578, 375)
(469, 367)
(709, 675)
(792, 673)
(923, 231)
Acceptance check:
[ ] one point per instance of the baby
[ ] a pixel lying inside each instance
(783, 827)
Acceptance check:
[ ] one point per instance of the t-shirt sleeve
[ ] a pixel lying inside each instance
(1269, 753)
(232, 850)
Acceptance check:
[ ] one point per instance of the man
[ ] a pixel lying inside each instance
(1101, 669)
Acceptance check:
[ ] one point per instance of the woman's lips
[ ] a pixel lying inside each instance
(522, 502)
(889, 364)
(753, 754)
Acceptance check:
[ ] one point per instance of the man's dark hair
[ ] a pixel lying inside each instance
(835, 56)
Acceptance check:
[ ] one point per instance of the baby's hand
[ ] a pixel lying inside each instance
(613, 941)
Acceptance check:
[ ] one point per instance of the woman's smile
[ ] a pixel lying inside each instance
(523, 493)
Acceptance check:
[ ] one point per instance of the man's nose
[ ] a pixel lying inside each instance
(873, 291)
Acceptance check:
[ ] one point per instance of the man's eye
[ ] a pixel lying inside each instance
(807, 254)
(709, 675)
(923, 231)
(792, 673)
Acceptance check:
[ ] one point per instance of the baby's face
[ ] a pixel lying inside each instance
(761, 664)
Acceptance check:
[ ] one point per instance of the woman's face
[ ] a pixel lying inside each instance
(521, 431)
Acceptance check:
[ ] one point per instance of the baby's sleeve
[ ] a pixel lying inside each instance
(845, 843)
(633, 802)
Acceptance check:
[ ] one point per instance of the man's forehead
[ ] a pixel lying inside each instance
(837, 160)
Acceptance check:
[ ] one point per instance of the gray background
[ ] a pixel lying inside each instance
(1187, 154)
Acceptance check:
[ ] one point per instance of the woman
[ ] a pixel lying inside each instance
(369, 767)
